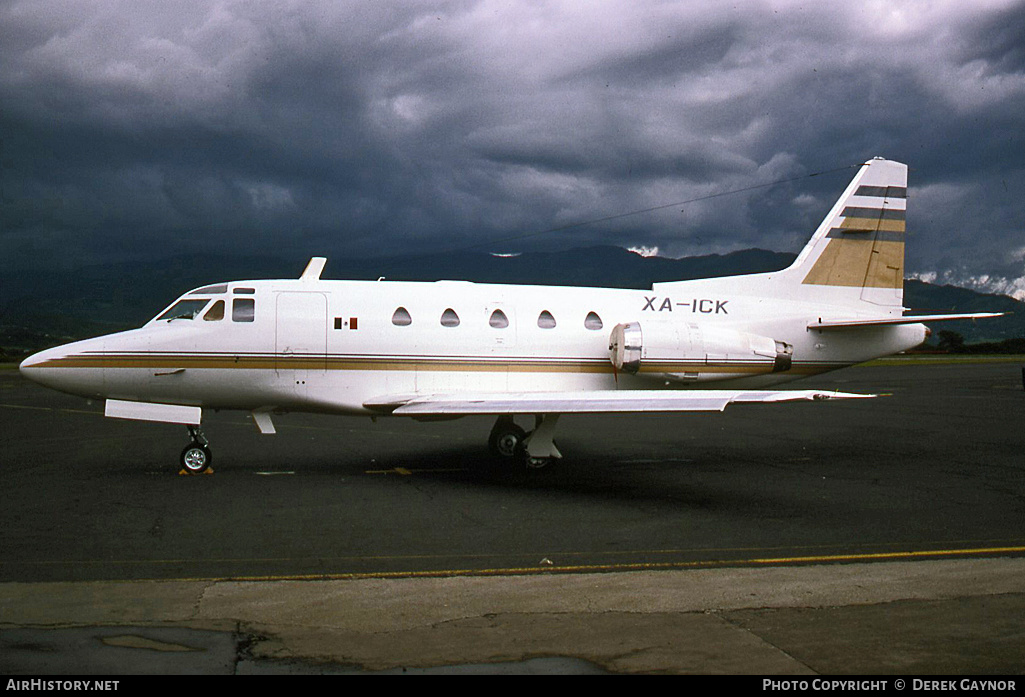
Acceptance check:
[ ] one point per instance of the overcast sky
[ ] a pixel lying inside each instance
(140, 129)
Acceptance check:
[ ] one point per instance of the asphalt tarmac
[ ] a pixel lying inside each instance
(790, 515)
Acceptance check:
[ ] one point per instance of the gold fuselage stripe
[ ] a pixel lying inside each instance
(425, 364)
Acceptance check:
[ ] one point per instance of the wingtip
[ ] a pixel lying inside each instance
(842, 395)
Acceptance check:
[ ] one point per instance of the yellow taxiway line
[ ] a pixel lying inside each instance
(641, 566)
(549, 568)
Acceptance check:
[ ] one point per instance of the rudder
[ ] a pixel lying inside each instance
(858, 250)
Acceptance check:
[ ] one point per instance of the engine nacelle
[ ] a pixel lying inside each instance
(682, 352)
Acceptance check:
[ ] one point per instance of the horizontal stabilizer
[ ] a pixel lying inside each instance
(906, 319)
(593, 402)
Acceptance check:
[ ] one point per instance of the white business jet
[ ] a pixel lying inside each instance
(452, 348)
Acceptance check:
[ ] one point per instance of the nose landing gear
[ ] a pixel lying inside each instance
(196, 457)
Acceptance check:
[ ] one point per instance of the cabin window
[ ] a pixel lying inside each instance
(592, 321)
(216, 312)
(401, 318)
(449, 318)
(211, 290)
(498, 320)
(243, 310)
(244, 291)
(184, 309)
(545, 320)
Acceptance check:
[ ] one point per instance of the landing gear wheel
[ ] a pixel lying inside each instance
(537, 463)
(196, 458)
(506, 440)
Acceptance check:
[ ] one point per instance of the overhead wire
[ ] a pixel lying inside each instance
(619, 216)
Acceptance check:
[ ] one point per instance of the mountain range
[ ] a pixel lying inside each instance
(40, 309)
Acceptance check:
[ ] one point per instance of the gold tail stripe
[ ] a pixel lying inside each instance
(873, 224)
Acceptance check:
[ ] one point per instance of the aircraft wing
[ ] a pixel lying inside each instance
(589, 402)
(906, 319)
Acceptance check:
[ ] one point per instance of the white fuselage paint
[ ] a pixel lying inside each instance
(292, 356)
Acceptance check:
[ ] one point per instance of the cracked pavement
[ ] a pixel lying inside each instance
(917, 617)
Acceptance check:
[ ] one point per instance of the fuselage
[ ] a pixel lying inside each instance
(331, 346)
(453, 348)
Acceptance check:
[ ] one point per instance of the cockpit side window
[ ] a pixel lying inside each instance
(216, 312)
(243, 310)
(184, 309)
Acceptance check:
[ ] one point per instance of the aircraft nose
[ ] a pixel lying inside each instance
(31, 366)
(40, 367)
(60, 369)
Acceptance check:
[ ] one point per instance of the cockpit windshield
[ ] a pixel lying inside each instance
(184, 309)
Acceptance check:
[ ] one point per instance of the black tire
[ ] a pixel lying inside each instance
(196, 458)
(506, 440)
(538, 463)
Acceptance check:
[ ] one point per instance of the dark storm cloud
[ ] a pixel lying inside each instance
(136, 128)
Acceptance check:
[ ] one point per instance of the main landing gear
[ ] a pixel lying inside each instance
(536, 450)
(196, 457)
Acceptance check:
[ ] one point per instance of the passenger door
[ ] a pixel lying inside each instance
(300, 338)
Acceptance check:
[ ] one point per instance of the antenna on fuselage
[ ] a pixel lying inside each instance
(313, 269)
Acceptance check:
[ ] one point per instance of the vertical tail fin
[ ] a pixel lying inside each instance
(857, 253)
